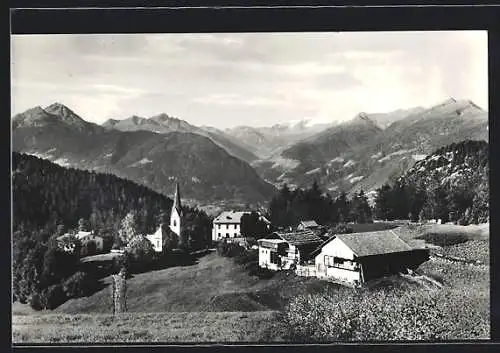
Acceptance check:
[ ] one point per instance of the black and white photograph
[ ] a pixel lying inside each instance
(250, 187)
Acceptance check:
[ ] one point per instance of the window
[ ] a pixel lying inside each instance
(235, 226)
(227, 226)
(218, 234)
(175, 223)
(219, 227)
(157, 243)
(227, 235)
(275, 259)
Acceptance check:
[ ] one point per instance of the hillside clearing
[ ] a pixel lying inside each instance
(215, 283)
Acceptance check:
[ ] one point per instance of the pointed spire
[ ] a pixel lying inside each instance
(177, 199)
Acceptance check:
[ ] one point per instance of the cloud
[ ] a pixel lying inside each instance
(247, 78)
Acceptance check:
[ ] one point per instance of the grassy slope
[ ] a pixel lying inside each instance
(213, 284)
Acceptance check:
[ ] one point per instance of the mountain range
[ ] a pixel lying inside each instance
(244, 164)
(205, 171)
(361, 154)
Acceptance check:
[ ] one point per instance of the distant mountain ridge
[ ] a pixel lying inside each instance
(206, 172)
(163, 124)
(360, 154)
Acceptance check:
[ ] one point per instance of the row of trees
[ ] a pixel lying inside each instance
(288, 208)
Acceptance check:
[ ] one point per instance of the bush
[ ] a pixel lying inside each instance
(35, 302)
(229, 249)
(383, 315)
(141, 253)
(52, 296)
(78, 285)
(246, 257)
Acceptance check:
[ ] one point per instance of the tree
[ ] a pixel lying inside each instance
(361, 210)
(342, 205)
(83, 225)
(252, 226)
(57, 265)
(128, 228)
(140, 252)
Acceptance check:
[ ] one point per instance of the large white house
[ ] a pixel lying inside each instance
(227, 225)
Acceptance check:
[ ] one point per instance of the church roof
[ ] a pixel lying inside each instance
(177, 199)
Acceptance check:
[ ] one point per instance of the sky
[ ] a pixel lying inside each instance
(256, 79)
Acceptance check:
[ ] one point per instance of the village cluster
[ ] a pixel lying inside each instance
(309, 249)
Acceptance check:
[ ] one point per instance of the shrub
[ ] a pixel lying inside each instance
(246, 257)
(229, 249)
(383, 315)
(78, 285)
(35, 302)
(141, 253)
(52, 296)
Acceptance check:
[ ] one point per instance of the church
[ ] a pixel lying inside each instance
(175, 223)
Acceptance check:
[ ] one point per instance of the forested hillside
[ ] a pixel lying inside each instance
(46, 195)
(450, 184)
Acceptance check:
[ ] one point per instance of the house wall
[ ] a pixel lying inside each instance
(156, 239)
(225, 230)
(290, 258)
(175, 222)
(388, 264)
(337, 249)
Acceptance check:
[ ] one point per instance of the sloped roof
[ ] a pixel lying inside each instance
(299, 238)
(374, 243)
(309, 223)
(177, 200)
(229, 217)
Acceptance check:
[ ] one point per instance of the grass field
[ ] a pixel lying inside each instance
(172, 327)
(216, 300)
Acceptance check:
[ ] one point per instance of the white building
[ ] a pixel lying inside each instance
(156, 239)
(84, 238)
(227, 225)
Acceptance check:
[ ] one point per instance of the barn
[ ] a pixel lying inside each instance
(360, 257)
(283, 250)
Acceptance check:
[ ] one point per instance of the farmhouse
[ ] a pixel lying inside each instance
(307, 225)
(359, 257)
(283, 250)
(227, 225)
(84, 237)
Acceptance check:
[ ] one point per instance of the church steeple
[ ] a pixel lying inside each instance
(177, 200)
(176, 213)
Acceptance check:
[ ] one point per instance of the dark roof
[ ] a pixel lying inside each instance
(374, 243)
(299, 238)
